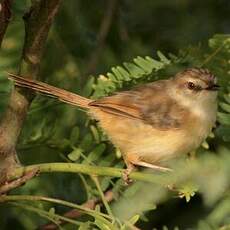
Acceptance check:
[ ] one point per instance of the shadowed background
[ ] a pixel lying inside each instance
(87, 39)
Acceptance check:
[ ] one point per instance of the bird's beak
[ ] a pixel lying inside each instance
(213, 87)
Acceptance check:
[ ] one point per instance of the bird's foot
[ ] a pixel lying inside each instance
(126, 173)
(126, 178)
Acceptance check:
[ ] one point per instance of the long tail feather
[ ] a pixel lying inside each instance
(51, 91)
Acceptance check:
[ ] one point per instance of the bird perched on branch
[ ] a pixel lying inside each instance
(153, 122)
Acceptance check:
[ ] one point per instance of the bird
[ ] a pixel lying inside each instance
(149, 123)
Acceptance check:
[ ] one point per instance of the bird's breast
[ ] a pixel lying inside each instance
(133, 136)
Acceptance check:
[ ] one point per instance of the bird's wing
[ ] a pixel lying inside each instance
(148, 103)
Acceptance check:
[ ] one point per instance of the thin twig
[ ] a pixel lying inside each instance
(108, 209)
(212, 55)
(18, 182)
(81, 208)
(102, 35)
(48, 215)
(74, 213)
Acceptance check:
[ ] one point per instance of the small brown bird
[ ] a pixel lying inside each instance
(152, 122)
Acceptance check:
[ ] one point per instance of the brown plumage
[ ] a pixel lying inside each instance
(152, 122)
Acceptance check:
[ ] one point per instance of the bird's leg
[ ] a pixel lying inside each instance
(152, 166)
(128, 170)
(129, 159)
(158, 168)
(132, 160)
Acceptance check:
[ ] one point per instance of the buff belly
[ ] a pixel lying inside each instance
(134, 137)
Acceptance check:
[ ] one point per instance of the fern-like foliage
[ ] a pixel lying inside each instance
(221, 43)
(131, 72)
(83, 142)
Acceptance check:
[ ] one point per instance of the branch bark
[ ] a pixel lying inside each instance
(5, 15)
(37, 24)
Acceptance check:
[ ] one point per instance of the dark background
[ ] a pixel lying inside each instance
(78, 47)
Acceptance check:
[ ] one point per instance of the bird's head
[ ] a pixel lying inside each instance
(195, 85)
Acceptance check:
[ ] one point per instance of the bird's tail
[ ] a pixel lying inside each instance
(51, 91)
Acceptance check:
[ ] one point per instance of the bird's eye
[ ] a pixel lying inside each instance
(191, 85)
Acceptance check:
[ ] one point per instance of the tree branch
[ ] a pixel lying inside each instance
(102, 34)
(86, 210)
(161, 179)
(37, 24)
(5, 15)
(18, 182)
(74, 213)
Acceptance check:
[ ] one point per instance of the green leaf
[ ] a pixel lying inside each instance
(133, 220)
(134, 70)
(124, 73)
(102, 225)
(74, 136)
(87, 141)
(205, 144)
(107, 160)
(96, 153)
(223, 132)
(95, 133)
(143, 64)
(227, 98)
(225, 107)
(163, 58)
(219, 40)
(88, 88)
(105, 182)
(118, 74)
(85, 226)
(223, 118)
(75, 154)
(112, 77)
(52, 211)
(154, 63)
